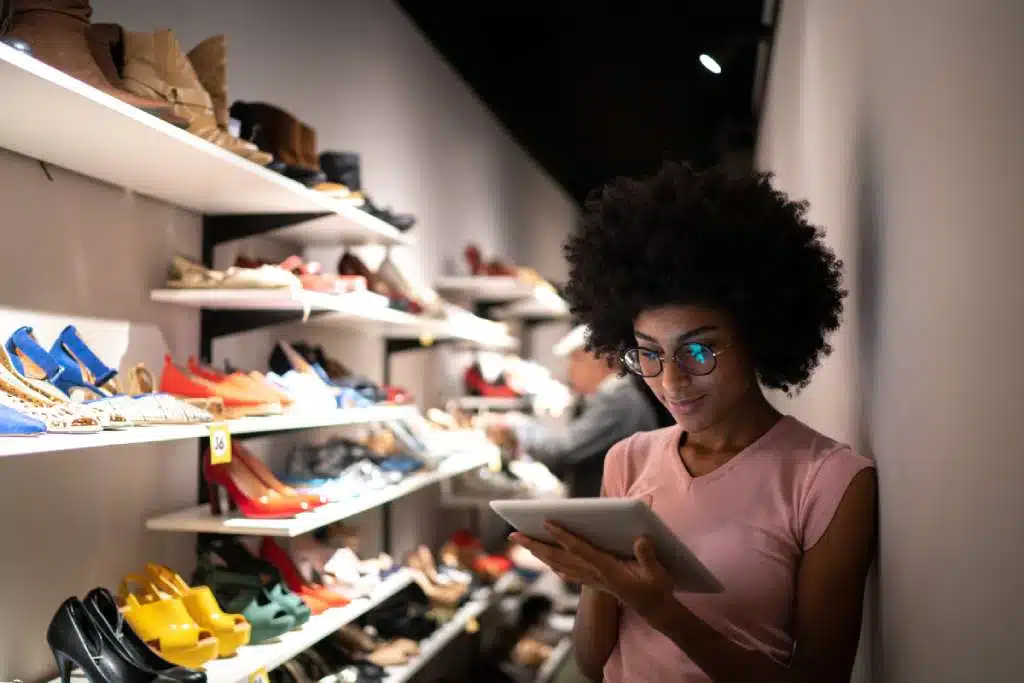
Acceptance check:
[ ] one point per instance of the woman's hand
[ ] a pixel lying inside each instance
(642, 584)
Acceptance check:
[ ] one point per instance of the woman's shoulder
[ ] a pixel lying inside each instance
(631, 455)
(805, 446)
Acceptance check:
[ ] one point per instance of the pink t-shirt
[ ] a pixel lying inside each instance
(749, 522)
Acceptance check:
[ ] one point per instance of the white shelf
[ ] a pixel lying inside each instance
(119, 144)
(440, 639)
(554, 661)
(199, 519)
(491, 403)
(364, 311)
(485, 287)
(272, 655)
(46, 443)
(269, 656)
(550, 305)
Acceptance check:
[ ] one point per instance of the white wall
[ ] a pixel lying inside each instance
(80, 251)
(899, 120)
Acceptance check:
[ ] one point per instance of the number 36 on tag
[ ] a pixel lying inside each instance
(220, 443)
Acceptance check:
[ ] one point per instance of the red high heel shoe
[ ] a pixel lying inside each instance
(247, 492)
(309, 592)
(264, 474)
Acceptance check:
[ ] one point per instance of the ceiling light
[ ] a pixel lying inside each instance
(710, 64)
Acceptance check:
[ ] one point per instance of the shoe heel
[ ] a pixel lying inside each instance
(214, 492)
(64, 666)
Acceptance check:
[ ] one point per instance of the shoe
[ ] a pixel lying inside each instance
(263, 473)
(247, 493)
(210, 61)
(237, 402)
(77, 641)
(156, 67)
(105, 615)
(246, 595)
(39, 370)
(275, 554)
(253, 385)
(166, 625)
(342, 171)
(239, 561)
(280, 134)
(23, 396)
(476, 385)
(58, 33)
(232, 631)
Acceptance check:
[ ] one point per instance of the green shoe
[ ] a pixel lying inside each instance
(246, 595)
(291, 602)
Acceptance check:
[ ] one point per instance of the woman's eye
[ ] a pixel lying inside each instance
(647, 354)
(699, 352)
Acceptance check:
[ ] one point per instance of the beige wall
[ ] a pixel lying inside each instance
(76, 250)
(900, 121)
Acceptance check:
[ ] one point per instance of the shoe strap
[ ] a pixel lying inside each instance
(23, 341)
(72, 341)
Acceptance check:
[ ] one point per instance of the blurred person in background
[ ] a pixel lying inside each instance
(613, 408)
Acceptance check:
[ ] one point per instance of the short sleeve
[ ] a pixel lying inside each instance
(613, 481)
(825, 490)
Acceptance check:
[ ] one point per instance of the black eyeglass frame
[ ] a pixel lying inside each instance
(714, 353)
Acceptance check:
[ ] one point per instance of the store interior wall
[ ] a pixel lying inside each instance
(77, 250)
(900, 124)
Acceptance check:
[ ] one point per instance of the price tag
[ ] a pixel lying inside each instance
(472, 625)
(220, 444)
(259, 676)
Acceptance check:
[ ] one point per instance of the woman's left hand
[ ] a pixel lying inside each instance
(643, 584)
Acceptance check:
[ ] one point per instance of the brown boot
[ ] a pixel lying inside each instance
(155, 66)
(58, 33)
(272, 128)
(307, 147)
(210, 61)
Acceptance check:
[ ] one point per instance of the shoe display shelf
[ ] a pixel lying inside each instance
(270, 655)
(199, 519)
(239, 310)
(47, 443)
(505, 297)
(490, 403)
(62, 121)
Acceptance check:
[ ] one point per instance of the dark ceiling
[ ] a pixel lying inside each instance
(594, 89)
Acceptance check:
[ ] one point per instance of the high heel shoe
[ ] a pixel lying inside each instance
(247, 493)
(38, 369)
(239, 560)
(77, 641)
(275, 554)
(167, 626)
(232, 631)
(259, 468)
(102, 610)
(245, 594)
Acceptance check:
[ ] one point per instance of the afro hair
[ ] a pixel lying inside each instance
(734, 244)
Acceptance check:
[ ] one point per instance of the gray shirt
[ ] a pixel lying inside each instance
(618, 409)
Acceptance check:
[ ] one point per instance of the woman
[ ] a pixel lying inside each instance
(710, 288)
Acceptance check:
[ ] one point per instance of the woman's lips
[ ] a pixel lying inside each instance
(686, 406)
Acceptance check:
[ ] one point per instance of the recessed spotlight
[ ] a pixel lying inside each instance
(710, 64)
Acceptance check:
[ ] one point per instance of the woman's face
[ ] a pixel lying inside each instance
(696, 402)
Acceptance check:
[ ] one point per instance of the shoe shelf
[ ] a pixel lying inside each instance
(199, 519)
(491, 288)
(362, 311)
(547, 670)
(62, 121)
(47, 443)
(544, 305)
(270, 655)
(436, 643)
(490, 403)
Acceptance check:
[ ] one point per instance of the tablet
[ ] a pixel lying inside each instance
(612, 524)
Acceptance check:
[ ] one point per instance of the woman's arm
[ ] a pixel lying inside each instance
(596, 631)
(830, 595)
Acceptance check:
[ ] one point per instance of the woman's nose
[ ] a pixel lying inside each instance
(673, 379)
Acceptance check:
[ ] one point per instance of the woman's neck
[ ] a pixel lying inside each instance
(747, 422)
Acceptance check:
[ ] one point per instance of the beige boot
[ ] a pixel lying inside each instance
(155, 66)
(210, 60)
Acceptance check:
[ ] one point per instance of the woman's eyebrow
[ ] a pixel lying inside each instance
(686, 336)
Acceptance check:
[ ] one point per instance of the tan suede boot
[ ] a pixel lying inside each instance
(58, 33)
(308, 157)
(210, 61)
(155, 66)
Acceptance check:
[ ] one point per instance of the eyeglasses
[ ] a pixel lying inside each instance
(692, 358)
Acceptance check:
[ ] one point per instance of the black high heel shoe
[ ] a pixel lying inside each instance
(102, 609)
(76, 640)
